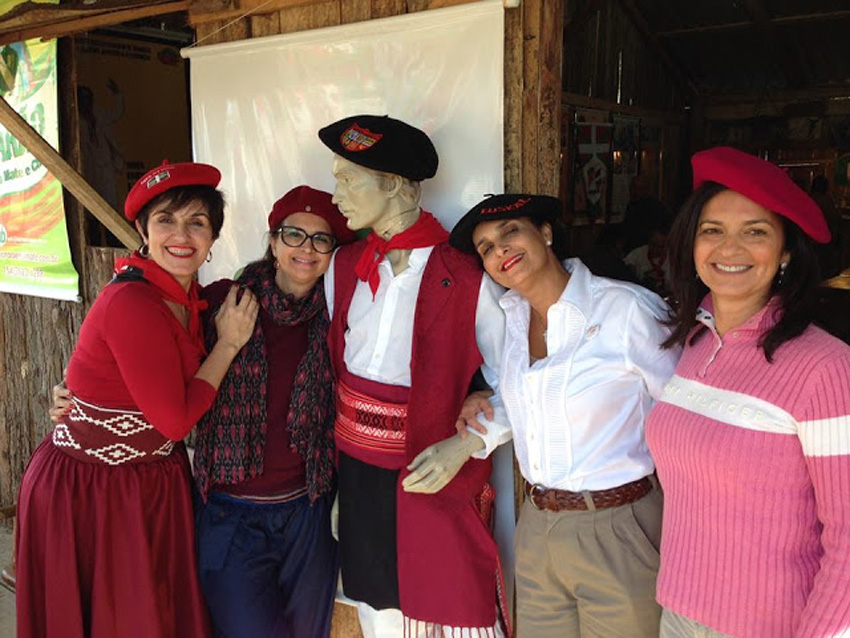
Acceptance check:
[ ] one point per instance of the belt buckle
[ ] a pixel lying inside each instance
(533, 491)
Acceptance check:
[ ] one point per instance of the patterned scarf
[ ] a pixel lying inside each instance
(425, 232)
(135, 266)
(232, 435)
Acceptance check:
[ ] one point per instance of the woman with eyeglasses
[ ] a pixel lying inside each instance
(264, 462)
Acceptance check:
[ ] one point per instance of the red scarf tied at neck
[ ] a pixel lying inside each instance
(170, 289)
(425, 232)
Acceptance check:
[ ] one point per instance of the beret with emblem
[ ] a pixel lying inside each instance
(764, 183)
(303, 199)
(496, 207)
(158, 180)
(383, 144)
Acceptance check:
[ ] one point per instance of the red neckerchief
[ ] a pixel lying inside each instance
(171, 290)
(425, 232)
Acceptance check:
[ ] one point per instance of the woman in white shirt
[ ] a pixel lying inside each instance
(581, 368)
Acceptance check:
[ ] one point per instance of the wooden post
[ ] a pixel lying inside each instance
(69, 178)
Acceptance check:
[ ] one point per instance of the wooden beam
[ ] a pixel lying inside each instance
(733, 26)
(777, 49)
(640, 23)
(69, 178)
(585, 102)
(50, 29)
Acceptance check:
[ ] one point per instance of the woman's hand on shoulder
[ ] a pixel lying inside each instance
(473, 405)
(235, 320)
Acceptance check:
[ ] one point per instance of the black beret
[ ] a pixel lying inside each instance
(383, 144)
(496, 207)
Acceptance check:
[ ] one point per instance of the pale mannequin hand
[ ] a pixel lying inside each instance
(438, 464)
(473, 405)
(335, 518)
(235, 321)
(61, 402)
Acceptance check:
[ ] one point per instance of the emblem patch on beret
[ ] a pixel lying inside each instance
(159, 177)
(355, 139)
(503, 209)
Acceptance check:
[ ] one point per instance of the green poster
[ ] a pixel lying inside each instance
(35, 258)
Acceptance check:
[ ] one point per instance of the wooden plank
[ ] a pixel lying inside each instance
(314, 16)
(345, 623)
(354, 11)
(583, 101)
(531, 12)
(387, 8)
(265, 24)
(70, 178)
(69, 142)
(236, 30)
(69, 26)
(549, 112)
(513, 100)
(200, 13)
(209, 33)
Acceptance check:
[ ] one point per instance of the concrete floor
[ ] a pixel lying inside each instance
(7, 599)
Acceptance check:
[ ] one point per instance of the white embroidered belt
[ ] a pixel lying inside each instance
(112, 436)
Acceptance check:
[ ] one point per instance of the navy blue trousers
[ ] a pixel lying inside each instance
(267, 571)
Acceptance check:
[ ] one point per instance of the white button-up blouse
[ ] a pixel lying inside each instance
(577, 416)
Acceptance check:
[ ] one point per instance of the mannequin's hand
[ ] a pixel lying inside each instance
(335, 518)
(435, 466)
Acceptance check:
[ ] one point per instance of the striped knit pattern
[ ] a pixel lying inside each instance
(754, 459)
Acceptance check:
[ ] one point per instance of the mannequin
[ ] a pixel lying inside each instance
(408, 522)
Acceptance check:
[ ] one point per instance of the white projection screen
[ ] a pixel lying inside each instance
(257, 106)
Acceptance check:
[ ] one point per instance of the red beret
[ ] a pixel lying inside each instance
(764, 183)
(303, 199)
(162, 178)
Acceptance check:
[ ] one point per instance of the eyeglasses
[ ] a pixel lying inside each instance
(294, 237)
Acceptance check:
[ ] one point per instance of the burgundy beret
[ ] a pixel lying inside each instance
(383, 144)
(162, 178)
(303, 199)
(496, 207)
(764, 183)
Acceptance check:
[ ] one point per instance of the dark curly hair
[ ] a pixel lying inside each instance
(795, 292)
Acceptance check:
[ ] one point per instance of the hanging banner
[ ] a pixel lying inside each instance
(592, 171)
(625, 163)
(35, 258)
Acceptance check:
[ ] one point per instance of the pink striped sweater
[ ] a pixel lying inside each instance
(754, 459)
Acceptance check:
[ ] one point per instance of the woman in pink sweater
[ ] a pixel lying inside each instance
(752, 435)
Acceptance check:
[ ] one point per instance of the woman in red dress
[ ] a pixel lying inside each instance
(105, 529)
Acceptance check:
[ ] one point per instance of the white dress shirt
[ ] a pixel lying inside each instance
(578, 415)
(379, 339)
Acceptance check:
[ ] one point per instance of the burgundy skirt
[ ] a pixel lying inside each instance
(107, 551)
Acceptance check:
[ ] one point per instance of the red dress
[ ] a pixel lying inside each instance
(105, 543)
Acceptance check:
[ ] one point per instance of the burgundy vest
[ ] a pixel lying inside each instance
(447, 559)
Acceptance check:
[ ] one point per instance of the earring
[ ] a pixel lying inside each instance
(144, 251)
(548, 242)
(782, 268)
(209, 257)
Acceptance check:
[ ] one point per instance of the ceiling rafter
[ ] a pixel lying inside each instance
(673, 66)
(32, 20)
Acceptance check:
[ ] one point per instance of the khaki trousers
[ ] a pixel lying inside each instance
(675, 626)
(589, 574)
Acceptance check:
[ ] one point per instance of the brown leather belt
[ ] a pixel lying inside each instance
(544, 498)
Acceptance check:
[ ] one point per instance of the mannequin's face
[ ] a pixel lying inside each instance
(359, 194)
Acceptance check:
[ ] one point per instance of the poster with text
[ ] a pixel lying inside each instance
(35, 258)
